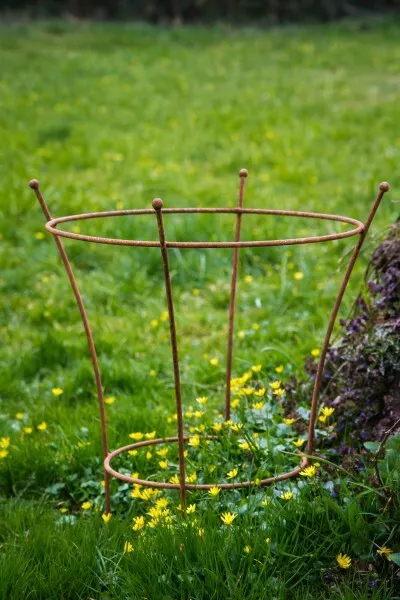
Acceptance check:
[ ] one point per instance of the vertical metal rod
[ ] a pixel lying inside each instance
(383, 187)
(157, 205)
(231, 318)
(34, 184)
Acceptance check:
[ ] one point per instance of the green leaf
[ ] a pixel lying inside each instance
(371, 446)
(395, 557)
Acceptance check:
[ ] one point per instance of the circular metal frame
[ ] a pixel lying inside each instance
(189, 486)
(360, 229)
(51, 226)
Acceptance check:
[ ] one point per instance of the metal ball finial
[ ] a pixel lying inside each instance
(243, 173)
(384, 186)
(157, 204)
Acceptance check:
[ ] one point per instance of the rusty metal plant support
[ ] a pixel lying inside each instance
(359, 229)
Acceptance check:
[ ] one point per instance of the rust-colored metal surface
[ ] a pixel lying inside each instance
(359, 229)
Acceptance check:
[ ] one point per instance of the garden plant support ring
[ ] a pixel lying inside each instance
(359, 229)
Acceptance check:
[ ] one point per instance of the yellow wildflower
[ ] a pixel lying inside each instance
(200, 531)
(231, 474)
(42, 426)
(203, 400)
(298, 443)
(39, 235)
(190, 509)
(214, 491)
(315, 352)
(275, 385)
(279, 369)
(163, 464)
(164, 316)
(19, 416)
(195, 292)
(214, 362)
(260, 393)
(138, 523)
(191, 478)
(194, 441)
(63, 510)
(241, 335)
(153, 373)
(149, 455)
(150, 436)
(147, 494)
(235, 403)
(110, 400)
(247, 391)
(327, 412)
(279, 392)
(128, 547)
(343, 560)
(289, 421)
(298, 275)
(266, 502)
(258, 405)
(256, 326)
(3, 453)
(309, 471)
(217, 426)
(267, 540)
(28, 430)
(385, 551)
(247, 549)
(132, 452)
(322, 418)
(136, 493)
(163, 451)
(86, 505)
(287, 496)
(248, 279)
(236, 427)
(136, 436)
(227, 518)
(4, 442)
(174, 479)
(154, 323)
(244, 446)
(57, 391)
(256, 368)
(106, 517)
(162, 503)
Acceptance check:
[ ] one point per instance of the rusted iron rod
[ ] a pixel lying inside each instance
(34, 184)
(157, 205)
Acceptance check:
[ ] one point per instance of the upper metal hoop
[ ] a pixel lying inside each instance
(51, 226)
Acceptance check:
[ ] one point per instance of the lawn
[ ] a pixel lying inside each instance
(109, 117)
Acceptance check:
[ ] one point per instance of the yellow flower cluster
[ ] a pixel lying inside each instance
(239, 382)
(326, 412)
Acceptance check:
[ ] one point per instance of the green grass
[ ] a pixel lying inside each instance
(111, 116)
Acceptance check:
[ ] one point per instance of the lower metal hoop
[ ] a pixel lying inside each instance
(190, 486)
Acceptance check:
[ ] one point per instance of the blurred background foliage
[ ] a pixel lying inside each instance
(180, 11)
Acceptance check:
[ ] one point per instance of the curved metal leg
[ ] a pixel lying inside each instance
(383, 187)
(34, 184)
(231, 318)
(157, 205)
